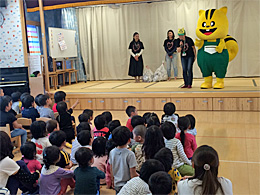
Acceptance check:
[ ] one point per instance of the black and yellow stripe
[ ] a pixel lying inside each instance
(209, 13)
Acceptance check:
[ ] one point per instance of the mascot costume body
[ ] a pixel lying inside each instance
(215, 47)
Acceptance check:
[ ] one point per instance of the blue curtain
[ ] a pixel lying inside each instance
(69, 21)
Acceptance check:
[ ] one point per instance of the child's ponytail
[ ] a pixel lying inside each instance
(206, 164)
(51, 155)
(183, 124)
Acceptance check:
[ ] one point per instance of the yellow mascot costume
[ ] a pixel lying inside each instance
(215, 47)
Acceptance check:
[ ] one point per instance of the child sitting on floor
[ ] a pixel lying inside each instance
(83, 139)
(83, 173)
(169, 116)
(100, 130)
(28, 151)
(205, 180)
(85, 118)
(58, 138)
(130, 111)
(29, 111)
(180, 160)
(39, 134)
(64, 120)
(192, 130)
(100, 157)
(90, 113)
(122, 161)
(187, 140)
(166, 158)
(111, 126)
(38, 105)
(108, 117)
(51, 175)
(139, 136)
(45, 111)
(139, 185)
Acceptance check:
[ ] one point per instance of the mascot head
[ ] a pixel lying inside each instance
(212, 24)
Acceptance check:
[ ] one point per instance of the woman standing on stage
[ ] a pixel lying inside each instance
(170, 46)
(136, 66)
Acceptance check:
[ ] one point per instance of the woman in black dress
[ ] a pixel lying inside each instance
(136, 66)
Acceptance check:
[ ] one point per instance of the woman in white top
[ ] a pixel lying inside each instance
(205, 180)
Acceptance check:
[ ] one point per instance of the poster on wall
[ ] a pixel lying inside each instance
(33, 40)
(34, 63)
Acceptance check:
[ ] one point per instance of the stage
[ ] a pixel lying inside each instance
(239, 94)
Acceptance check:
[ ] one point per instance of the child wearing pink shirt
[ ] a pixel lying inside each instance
(28, 151)
(100, 157)
(188, 141)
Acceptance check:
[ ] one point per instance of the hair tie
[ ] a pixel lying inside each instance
(206, 167)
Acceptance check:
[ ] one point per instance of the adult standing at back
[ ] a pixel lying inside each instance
(188, 54)
(170, 46)
(136, 66)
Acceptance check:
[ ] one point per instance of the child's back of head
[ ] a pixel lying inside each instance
(108, 117)
(168, 129)
(84, 138)
(38, 129)
(52, 125)
(206, 163)
(23, 95)
(113, 124)
(84, 118)
(121, 135)
(28, 150)
(137, 120)
(83, 126)
(165, 156)
(183, 124)
(153, 141)
(37, 98)
(43, 100)
(99, 122)
(59, 96)
(110, 145)
(62, 107)
(51, 156)
(146, 116)
(99, 147)
(89, 112)
(139, 130)
(130, 111)
(84, 156)
(153, 120)
(169, 109)
(150, 167)
(28, 101)
(16, 96)
(57, 138)
(160, 183)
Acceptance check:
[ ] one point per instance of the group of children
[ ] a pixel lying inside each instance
(147, 156)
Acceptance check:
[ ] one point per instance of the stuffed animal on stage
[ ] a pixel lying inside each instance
(215, 47)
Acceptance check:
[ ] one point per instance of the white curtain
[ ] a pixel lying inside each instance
(105, 34)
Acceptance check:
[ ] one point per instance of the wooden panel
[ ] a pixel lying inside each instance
(137, 103)
(159, 103)
(100, 104)
(203, 104)
(147, 104)
(183, 103)
(226, 104)
(250, 104)
(87, 103)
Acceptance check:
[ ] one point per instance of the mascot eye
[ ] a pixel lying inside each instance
(203, 24)
(212, 23)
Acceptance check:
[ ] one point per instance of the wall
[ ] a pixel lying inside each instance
(11, 46)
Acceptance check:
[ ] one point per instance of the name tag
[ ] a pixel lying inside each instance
(211, 49)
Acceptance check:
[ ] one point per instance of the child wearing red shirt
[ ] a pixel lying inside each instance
(188, 141)
(130, 111)
(100, 130)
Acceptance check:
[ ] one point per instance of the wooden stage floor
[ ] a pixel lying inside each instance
(129, 86)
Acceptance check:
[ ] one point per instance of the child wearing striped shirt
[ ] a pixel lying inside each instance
(180, 160)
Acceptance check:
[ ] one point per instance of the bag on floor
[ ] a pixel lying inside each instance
(160, 74)
(148, 74)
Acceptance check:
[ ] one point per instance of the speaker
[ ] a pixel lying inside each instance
(3, 3)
